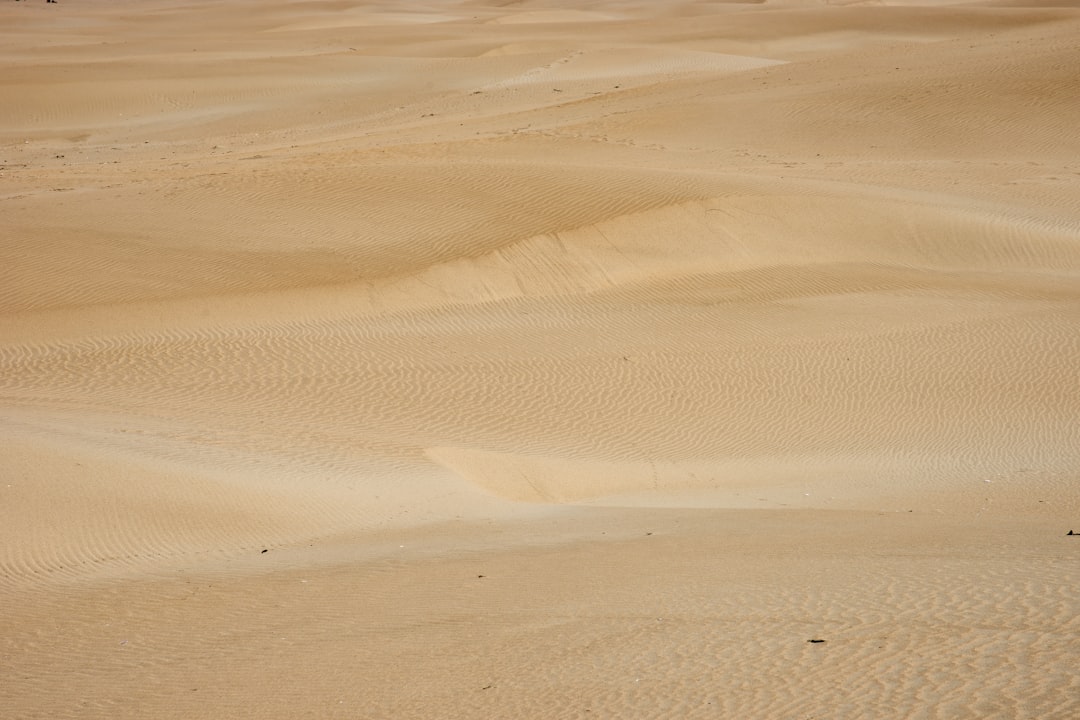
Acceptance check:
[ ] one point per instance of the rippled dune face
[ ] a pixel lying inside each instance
(479, 360)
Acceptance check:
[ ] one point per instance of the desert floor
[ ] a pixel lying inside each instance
(539, 359)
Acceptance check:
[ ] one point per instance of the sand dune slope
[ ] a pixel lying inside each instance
(539, 359)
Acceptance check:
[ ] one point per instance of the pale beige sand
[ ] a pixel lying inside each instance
(569, 359)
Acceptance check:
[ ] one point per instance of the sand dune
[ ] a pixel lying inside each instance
(539, 359)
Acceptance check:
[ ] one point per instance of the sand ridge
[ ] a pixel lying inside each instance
(566, 360)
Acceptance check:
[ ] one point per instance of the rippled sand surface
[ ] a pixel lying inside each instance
(539, 360)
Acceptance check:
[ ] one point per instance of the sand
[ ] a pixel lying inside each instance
(539, 360)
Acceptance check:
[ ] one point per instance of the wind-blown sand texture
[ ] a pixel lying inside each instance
(539, 360)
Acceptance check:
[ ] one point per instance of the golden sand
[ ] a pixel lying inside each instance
(539, 360)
